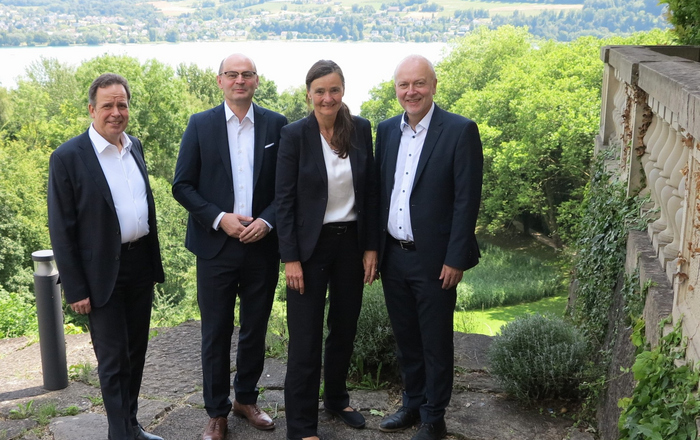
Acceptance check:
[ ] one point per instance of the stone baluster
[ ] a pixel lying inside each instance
(650, 143)
(672, 232)
(665, 141)
(620, 101)
(665, 164)
(673, 249)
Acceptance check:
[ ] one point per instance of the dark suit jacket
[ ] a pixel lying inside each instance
(446, 191)
(302, 187)
(203, 181)
(83, 223)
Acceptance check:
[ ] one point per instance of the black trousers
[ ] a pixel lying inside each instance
(422, 317)
(249, 272)
(119, 332)
(336, 266)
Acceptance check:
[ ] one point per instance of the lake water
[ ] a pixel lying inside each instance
(364, 64)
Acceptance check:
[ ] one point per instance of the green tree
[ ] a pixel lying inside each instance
(201, 84)
(266, 94)
(684, 15)
(382, 104)
(292, 103)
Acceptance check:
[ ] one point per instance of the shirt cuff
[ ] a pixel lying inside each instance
(268, 224)
(217, 220)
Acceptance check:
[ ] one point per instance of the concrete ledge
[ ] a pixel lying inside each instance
(659, 301)
(626, 59)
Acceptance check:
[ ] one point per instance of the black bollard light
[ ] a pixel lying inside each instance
(49, 311)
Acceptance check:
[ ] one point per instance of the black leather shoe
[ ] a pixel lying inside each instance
(140, 434)
(351, 418)
(431, 431)
(402, 419)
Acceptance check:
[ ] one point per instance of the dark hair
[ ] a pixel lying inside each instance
(343, 127)
(105, 80)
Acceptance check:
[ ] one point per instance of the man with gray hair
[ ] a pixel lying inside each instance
(429, 168)
(102, 224)
(225, 178)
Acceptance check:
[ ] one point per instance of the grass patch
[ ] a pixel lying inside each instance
(489, 322)
(512, 271)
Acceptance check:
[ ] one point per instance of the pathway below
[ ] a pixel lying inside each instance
(172, 405)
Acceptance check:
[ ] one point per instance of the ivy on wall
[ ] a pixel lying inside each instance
(608, 217)
(664, 404)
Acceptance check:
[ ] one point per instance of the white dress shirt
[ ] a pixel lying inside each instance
(126, 183)
(410, 148)
(341, 192)
(241, 145)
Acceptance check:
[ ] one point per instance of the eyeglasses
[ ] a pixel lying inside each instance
(232, 74)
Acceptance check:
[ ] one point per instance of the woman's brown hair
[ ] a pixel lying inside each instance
(343, 127)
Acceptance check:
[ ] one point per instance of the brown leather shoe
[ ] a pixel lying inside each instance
(257, 418)
(216, 429)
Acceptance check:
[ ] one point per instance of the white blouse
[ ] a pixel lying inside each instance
(341, 192)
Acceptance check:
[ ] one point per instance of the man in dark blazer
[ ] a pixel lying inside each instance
(102, 224)
(225, 178)
(429, 165)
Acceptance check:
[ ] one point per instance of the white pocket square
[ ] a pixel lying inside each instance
(269, 145)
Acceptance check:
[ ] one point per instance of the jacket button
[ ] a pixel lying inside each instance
(116, 258)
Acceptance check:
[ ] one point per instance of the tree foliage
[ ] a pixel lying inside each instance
(684, 15)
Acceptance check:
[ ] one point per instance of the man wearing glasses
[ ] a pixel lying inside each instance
(225, 178)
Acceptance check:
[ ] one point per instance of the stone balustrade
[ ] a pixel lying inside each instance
(649, 136)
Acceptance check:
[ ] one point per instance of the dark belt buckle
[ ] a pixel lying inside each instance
(406, 245)
(339, 230)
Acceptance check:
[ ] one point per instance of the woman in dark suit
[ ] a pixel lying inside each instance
(327, 227)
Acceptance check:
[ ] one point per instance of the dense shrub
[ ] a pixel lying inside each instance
(17, 315)
(538, 357)
(375, 345)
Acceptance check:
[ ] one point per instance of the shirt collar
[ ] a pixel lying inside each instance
(101, 143)
(230, 114)
(424, 123)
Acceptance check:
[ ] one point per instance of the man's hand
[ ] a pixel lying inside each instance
(294, 275)
(450, 276)
(82, 307)
(231, 224)
(254, 231)
(369, 261)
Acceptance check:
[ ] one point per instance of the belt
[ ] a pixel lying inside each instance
(403, 244)
(339, 228)
(131, 245)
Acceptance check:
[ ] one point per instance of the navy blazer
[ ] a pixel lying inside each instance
(446, 192)
(302, 187)
(203, 181)
(83, 223)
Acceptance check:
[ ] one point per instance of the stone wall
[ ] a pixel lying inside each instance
(650, 126)
(649, 131)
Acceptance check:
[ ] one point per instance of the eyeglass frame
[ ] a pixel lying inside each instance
(234, 75)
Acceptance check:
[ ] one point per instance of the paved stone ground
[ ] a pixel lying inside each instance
(171, 402)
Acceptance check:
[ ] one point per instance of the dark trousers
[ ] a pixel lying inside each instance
(249, 272)
(119, 332)
(422, 316)
(336, 266)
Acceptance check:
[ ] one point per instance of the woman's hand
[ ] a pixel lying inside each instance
(369, 261)
(294, 275)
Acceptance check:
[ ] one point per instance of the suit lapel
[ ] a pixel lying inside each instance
(141, 164)
(220, 139)
(312, 134)
(392, 153)
(434, 130)
(354, 156)
(87, 152)
(259, 129)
